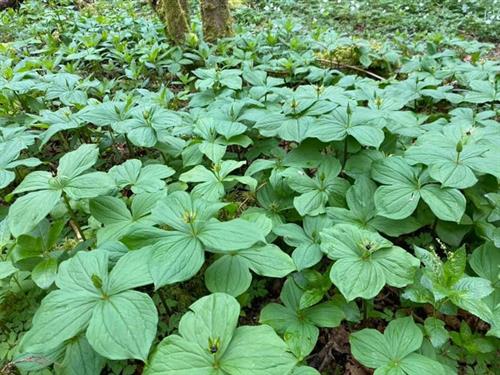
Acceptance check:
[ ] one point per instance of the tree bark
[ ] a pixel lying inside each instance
(175, 16)
(4, 4)
(216, 19)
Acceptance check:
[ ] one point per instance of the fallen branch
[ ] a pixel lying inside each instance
(354, 67)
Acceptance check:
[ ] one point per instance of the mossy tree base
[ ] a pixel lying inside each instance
(175, 16)
(216, 18)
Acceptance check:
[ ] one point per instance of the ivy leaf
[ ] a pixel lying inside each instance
(365, 261)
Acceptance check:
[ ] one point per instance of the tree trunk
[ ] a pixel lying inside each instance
(216, 18)
(4, 4)
(175, 16)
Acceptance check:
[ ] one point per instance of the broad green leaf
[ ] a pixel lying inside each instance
(370, 348)
(230, 235)
(258, 350)
(228, 274)
(131, 271)
(176, 355)
(6, 269)
(417, 364)
(436, 331)
(209, 343)
(61, 316)
(175, 258)
(80, 358)
(44, 273)
(268, 261)
(403, 337)
(485, 261)
(76, 162)
(365, 261)
(89, 185)
(394, 351)
(447, 204)
(123, 326)
(28, 210)
(212, 318)
(75, 274)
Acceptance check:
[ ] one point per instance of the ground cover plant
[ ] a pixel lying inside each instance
(288, 198)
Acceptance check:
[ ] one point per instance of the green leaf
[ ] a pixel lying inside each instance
(61, 316)
(210, 343)
(447, 204)
(44, 273)
(80, 358)
(370, 348)
(177, 355)
(268, 261)
(365, 261)
(436, 331)
(76, 162)
(141, 179)
(416, 364)
(75, 274)
(176, 258)
(403, 337)
(89, 185)
(131, 271)
(485, 261)
(394, 351)
(123, 326)
(230, 235)
(6, 269)
(228, 274)
(28, 210)
(257, 350)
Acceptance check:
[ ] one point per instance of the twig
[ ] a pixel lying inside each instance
(73, 222)
(354, 67)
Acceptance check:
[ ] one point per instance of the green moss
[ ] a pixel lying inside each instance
(217, 20)
(175, 16)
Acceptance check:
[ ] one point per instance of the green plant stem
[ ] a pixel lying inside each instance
(344, 160)
(365, 311)
(64, 142)
(76, 226)
(129, 147)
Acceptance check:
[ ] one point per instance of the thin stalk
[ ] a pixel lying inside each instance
(75, 225)
(129, 146)
(344, 160)
(64, 142)
(365, 311)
